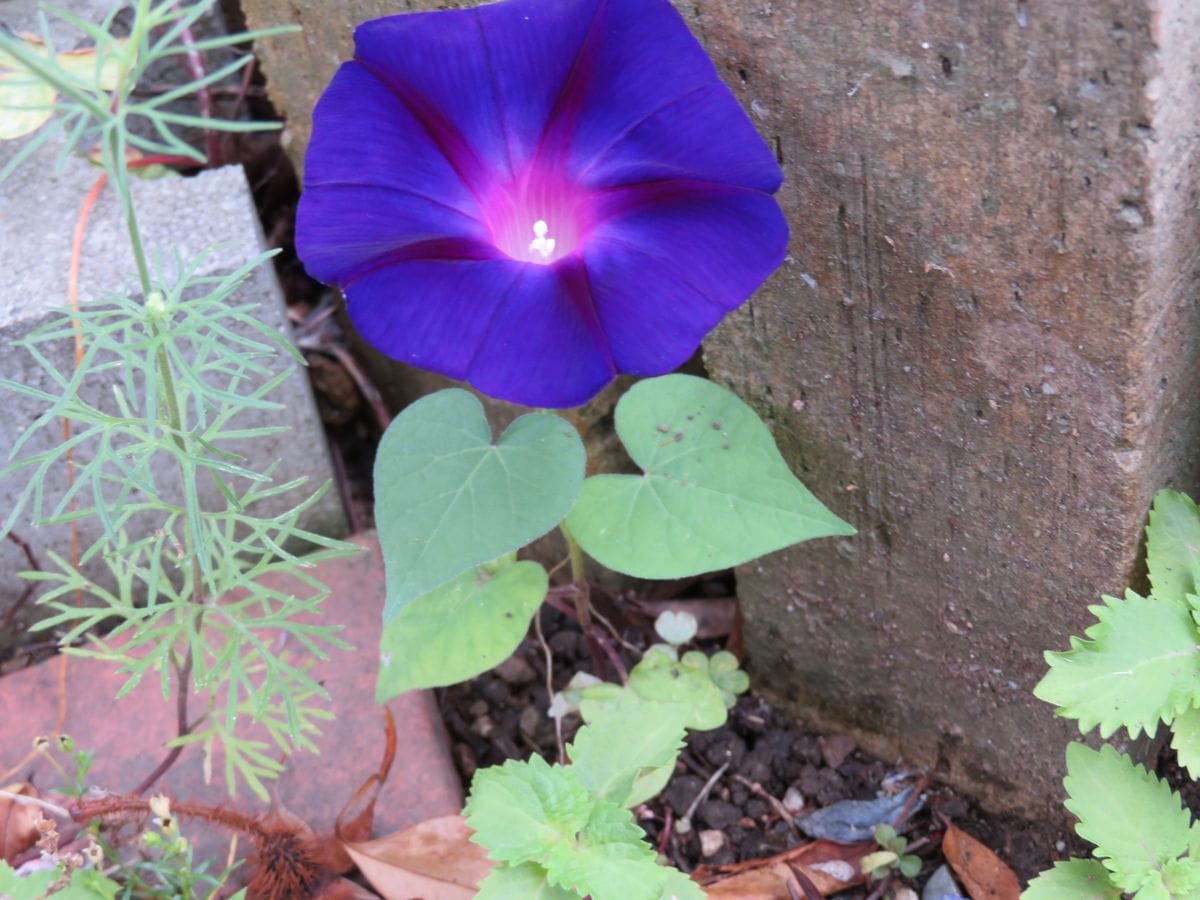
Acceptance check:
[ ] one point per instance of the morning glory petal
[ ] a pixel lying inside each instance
(488, 321)
(670, 260)
(646, 102)
(357, 201)
(343, 228)
(702, 135)
(545, 346)
(433, 314)
(485, 79)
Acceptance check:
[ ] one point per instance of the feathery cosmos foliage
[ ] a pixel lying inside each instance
(535, 195)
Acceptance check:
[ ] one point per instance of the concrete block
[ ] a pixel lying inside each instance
(983, 352)
(214, 210)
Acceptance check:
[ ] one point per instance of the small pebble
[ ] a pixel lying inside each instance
(719, 813)
(483, 726)
(530, 719)
(793, 800)
(712, 842)
(478, 708)
(515, 670)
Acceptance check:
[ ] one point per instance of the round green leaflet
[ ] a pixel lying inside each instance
(715, 491)
(448, 499)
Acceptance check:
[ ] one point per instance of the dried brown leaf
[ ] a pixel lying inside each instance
(432, 859)
(979, 870)
(18, 821)
(830, 867)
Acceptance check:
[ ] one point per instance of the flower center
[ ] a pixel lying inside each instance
(541, 244)
(538, 220)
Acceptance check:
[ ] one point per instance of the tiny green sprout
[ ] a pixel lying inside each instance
(676, 628)
(727, 675)
(156, 306)
(708, 686)
(890, 856)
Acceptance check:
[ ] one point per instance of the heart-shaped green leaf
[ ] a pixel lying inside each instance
(461, 629)
(715, 493)
(448, 499)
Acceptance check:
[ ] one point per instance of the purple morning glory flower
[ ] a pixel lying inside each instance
(535, 195)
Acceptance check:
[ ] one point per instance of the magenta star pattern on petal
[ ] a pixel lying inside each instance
(536, 195)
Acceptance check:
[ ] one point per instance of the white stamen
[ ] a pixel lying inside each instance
(540, 243)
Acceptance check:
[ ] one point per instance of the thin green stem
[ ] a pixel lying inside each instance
(583, 604)
(118, 174)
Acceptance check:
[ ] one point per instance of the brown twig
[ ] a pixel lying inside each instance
(244, 89)
(881, 888)
(558, 736)
(10, 616)
(756, 788)
(613, 631)
(342, 480)
(703, 793)
(204, 97)
(811, 891)
(183, 677)
(665, 835)
(610, 652)
(26, 800)
(289, 864)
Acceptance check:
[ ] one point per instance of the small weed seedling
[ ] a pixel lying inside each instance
(890, 856)
(1137, 668)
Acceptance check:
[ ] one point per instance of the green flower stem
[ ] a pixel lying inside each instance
(118, 174)
(583, 604)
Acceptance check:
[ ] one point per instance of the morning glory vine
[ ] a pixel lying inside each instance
(534, 196)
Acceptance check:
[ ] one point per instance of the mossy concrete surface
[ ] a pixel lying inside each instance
(982, 349)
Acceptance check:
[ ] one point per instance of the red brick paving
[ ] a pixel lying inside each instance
(128, 735)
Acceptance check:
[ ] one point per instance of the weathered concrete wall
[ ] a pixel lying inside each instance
(982, 349)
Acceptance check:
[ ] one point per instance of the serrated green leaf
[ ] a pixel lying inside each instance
(677, 886)
(523, 882)
(32, 887)
(1074, 879)
(1136, 821)
(88, 884)
(623, 741)
(448, 499)
(715, 493)
(520, 811)
(1185, 740)
(1181, 877)
(460, 629)
(1173, 546)
(1139, 667)
(610, 861)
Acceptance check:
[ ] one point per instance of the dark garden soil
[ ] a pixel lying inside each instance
(774, 762)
